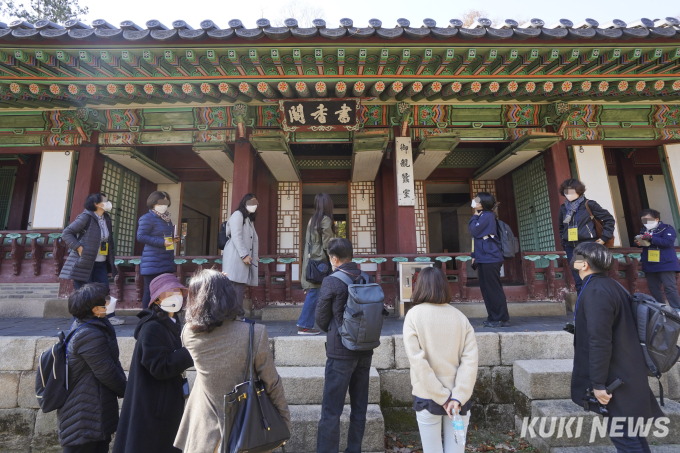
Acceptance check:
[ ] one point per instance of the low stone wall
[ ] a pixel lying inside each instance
(24, 428)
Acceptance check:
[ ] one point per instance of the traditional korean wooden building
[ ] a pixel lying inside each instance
(400, 124)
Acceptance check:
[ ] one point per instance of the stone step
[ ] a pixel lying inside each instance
(471, 310)
(305, 422)
(551, 379)
(304, 385)
(550, 413)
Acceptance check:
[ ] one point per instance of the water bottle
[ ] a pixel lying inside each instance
(458, 428)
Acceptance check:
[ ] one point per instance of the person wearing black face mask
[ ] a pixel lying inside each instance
(154, 397)
(659, 260)
(90, 239)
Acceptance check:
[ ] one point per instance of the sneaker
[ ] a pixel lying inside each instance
(303, 331)
(116, 321)
(487, 324)
(499, 324)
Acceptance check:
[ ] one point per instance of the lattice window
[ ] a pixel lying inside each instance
(423, 244)
(122, 189)
(533, 207)
(482, 186)
(226, 200)
(471, 158)
(7, 177)
(362, 218)
(289, 218)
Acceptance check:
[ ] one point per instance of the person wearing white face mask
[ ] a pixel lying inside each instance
(240, 254)
(90, 239)
(155, 394)
(157, 233)
(576, 221)
(658, 258)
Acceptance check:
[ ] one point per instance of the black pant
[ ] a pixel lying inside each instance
(489, 275)
(341, 375)
(670, 287)
(100, 274)
(625, 443)
(91, 447)
(146, 298)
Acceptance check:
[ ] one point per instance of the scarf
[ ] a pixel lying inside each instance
(165, 216)
(572, 207)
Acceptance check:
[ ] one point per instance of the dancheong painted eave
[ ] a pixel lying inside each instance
(208, 30)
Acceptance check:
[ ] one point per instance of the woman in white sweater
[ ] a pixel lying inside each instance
(442, 350)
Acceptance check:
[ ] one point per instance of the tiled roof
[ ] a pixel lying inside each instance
(588, 29)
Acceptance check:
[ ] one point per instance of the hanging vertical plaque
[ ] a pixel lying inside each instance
(404, 167)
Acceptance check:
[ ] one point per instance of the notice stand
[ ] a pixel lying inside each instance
(408, 275)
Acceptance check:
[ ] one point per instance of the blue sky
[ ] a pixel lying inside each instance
(194, 11)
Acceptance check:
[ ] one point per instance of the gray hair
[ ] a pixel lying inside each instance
(211, 301)
(598, 257)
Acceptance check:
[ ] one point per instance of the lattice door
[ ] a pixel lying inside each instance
(362, 218)
(423, 244)
(7, 177)
(226, 201)
(121, 186)
(533, 207)
(289, 218)
(482, 186)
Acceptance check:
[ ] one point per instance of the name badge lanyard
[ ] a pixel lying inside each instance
(653, 254)
(574, 227)
(579, 296)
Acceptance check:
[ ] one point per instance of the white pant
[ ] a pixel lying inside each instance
(430, 427)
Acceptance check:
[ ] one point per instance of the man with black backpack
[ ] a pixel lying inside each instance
(350, 310)
(607, 348)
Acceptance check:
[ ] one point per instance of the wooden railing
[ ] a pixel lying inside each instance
(38, 256)
(31, 256)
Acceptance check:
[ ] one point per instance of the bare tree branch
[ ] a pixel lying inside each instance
(304, 12)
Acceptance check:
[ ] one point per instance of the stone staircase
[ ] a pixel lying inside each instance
(300, 362)
(542, 389)
(27, 300)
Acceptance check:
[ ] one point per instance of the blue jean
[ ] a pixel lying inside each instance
(577, 279)
(99, 274)
(341, 375)
(306, 320)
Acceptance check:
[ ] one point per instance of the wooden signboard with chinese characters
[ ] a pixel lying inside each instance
(320, 115)
(405, 185)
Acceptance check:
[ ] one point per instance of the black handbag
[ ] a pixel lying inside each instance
(316, 270)
(251, 422)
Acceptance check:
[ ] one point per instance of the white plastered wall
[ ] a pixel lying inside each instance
(175, 209)
(592, 171)
(657, 197)
(52, 195)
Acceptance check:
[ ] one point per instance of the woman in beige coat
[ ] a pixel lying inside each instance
(240, 255)
(219, 344)
(320, 230)
(442, 350)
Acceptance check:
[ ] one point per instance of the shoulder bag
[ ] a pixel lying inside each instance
(316, 270)
(251, 422)
(599, 226)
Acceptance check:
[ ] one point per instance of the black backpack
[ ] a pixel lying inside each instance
(222, 237)
(51, 380)
(658, 328)
(364, 313)
(509, 243)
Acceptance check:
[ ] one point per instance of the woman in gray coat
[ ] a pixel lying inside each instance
(90, 240)
(219, 345)
(239, 258)
(320, 230)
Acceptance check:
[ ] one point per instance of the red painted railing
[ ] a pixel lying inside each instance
(38, 256)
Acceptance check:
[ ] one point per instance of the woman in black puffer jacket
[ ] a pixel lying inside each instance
(96, 379)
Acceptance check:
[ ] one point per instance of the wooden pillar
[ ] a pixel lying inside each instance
(379, 213)
(264, 217)
(88, 178)
(557, 170)
(507, 212)
(630, 192)
(244, 172)
(405, 218)
(389, 207)
(20, 206)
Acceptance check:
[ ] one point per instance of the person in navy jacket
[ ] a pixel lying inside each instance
(658, 258)
(156, 231)
(487, 258)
